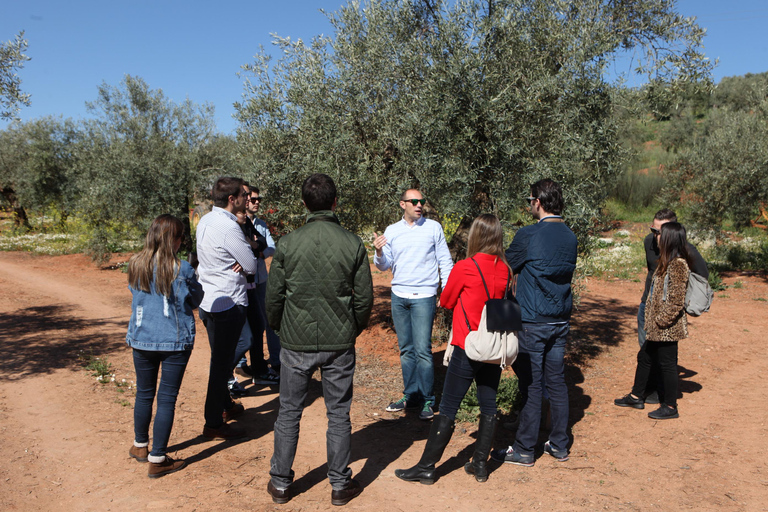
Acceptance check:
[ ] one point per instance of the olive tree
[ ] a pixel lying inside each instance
(138, 158)
(12, 58)
(470, 101)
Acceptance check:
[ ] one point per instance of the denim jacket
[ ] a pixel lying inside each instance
(161, 323)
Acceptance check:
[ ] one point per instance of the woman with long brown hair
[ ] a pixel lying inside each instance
(666, 323)
(465, 293)
(162, 333)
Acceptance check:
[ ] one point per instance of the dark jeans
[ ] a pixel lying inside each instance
(223, 332)
(461, 372)
(663, 354)
(147, 364)
(655, 381)
(337, 370)
(249, 339)
(542, 353)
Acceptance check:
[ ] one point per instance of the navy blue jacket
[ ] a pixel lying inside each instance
(544, 257)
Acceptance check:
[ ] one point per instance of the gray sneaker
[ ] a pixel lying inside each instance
(426, 412)
(561, 456)
(509, 456)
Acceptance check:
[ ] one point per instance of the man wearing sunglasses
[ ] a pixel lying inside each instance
(416, 251)
(652, 252)
(252, 335)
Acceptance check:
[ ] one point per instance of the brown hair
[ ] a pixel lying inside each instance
(672, 244)
(157, 258)
(486, 236)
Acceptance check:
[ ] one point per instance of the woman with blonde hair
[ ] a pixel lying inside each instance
(485, 268)
(161, 333)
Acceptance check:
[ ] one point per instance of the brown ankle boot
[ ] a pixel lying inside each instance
(139, 453)
(158, 469)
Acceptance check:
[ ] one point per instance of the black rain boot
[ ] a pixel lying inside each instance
(486, 431)
(424, 471)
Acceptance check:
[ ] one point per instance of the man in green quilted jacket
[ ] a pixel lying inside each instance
(319, 299)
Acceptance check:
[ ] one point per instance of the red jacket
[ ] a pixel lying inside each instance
(464, 281)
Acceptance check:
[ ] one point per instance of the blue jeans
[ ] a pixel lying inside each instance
(461, 372)
(248, 340)
(147, 364)
(641, 324)
(413, 320)
(223, 332)
(337, 369)
(542, 352)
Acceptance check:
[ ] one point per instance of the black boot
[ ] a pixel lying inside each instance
(424, 471)
(486, 430)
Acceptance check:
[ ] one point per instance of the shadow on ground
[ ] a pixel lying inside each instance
(43, 339)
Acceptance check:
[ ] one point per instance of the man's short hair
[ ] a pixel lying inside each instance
(549, 194)
(318, 192)
(665, 214)
(223, 188)
(404, 195)
(253, 190)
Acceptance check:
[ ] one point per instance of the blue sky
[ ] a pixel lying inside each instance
(195, 48)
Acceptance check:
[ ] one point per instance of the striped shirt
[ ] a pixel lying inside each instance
(220, 244)
(418, 256)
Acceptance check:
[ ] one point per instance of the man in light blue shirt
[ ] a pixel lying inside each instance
(225, 257)
(416, 251)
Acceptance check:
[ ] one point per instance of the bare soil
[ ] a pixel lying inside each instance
(66, 436)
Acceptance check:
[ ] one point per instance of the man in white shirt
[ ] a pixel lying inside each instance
(225, 257)
(416, 251)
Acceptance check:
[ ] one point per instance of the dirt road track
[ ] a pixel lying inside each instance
(65, 436)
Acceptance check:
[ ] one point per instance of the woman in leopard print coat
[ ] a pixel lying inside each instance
(665, 323)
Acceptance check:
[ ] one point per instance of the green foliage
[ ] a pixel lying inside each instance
(716, 281)
(139, 159)
(12, 58)
(507, 397)
(98, 366)
(469, 101)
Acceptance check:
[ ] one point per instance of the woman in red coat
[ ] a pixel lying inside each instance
(465, 295)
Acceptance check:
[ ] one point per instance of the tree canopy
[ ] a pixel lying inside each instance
(12, 58)
(469, 101)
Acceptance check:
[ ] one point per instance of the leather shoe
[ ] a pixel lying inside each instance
(233, 412)
(224, 432)
(344, 496)
(139, 453)
(279, 496)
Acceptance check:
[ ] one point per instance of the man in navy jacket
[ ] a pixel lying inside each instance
(543, 256)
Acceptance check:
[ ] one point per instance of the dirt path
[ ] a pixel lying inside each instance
(65, 436)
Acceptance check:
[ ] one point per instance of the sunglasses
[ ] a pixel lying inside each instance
(414, 202)
(254, 199)
(655, 231)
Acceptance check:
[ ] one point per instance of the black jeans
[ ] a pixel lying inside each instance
(458, 379)
(223, 332)
(664, 355)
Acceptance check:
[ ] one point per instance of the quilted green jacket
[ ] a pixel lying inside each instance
(319, 291)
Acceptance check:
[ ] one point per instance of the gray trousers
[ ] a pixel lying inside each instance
(337, 369)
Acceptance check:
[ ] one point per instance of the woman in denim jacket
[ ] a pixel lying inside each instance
(161, 333)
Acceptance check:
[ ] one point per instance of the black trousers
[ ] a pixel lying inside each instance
(664, 355)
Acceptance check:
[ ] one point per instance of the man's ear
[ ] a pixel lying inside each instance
(335, 201)
(305, 204)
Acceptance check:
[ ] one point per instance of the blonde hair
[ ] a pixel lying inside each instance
(486, 236)
(157, 259)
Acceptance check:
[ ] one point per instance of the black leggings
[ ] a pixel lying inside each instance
(663, 354)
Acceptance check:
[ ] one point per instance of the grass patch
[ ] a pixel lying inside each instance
(620, 259)
(506, 399)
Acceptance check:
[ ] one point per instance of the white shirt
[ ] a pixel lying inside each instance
(220, 244)
(419, 258)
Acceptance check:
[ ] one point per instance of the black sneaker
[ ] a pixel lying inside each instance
(268, 378)
(426, 412)
(561, 456)
(652, 398)
(664, 412)
(236, 389)
(629, 401)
